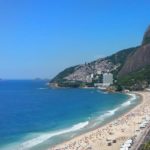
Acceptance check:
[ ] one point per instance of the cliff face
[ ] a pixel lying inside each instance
(146, 38)
(140, 58)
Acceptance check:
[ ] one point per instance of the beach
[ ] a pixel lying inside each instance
(112, 135)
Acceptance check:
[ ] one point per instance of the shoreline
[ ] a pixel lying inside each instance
(102, 135)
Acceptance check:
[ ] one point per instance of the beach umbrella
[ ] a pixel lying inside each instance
(109, 144)
(128, 141)
(122, 148)
(142, 125)
(126, 145)
(147, 118)
(114, 141)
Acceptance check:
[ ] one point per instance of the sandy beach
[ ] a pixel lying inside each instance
(112, 135)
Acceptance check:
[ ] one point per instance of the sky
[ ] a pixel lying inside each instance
(40, 38)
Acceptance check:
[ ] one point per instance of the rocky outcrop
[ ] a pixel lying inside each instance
(146, 38)
(140, 58)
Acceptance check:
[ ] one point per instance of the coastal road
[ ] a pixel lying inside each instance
(140, 139)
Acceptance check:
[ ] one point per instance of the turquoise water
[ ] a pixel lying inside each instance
(35, 117)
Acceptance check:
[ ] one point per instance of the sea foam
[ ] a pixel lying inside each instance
(113, 111)
(106, 115)
(42, 88)
(130, 100)
(40, 139)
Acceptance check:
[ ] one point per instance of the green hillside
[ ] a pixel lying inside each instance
(137, 80)
(60, 77)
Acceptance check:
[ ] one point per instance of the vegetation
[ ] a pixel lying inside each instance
(70, 84)
(121, 56)
(137, 80)
(74, 84)
(146, 40)
(118, 87)
(60, 77)
(146, 146)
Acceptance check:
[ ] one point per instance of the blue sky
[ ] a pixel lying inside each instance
(39, 38)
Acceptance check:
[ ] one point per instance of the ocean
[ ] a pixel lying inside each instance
(36, 117)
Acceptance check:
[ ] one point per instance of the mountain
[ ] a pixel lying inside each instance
(78, 75)
(130, 68)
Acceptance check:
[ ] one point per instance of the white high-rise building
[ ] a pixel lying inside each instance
(107, 79)
(88, 79)
(92, 75)
(99, 72)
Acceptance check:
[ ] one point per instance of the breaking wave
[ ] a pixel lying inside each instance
(45, 136)
(113, 111)
(130, 100)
